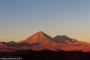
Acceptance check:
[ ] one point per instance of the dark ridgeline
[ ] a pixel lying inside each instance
(48, 55)
(41, 46)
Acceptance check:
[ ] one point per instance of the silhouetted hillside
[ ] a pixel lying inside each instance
(49, 55)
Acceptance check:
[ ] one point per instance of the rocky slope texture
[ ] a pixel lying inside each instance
(41, 41)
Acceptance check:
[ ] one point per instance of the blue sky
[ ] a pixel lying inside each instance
(21, 18)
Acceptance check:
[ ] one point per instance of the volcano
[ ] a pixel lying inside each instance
(42, 45)
(63, 39)
(41, 41)
(39, 37)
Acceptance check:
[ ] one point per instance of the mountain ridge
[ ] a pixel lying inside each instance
(42, 41)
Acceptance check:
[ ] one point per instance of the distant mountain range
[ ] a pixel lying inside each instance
(41, 41)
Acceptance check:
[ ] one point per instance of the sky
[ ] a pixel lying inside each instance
(21, 18)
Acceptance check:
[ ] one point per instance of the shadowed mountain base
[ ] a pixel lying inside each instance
(48, 55)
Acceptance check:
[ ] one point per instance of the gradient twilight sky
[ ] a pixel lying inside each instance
(21, 18)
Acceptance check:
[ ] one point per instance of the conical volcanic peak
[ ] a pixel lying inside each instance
(41, 40)
(38, 38)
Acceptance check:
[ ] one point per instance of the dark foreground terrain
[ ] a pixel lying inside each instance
(45, 55)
